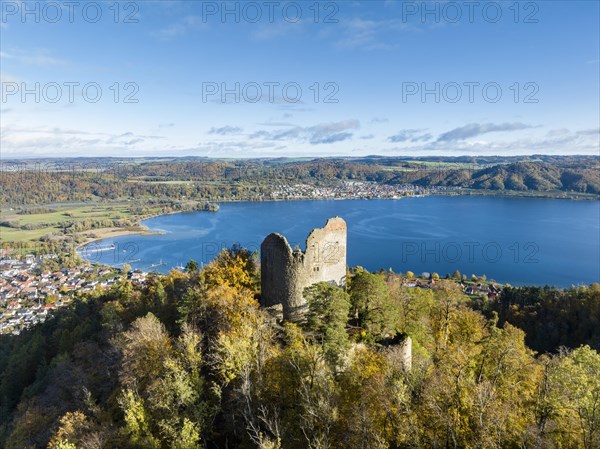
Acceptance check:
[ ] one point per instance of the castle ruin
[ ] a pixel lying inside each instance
(285, 273)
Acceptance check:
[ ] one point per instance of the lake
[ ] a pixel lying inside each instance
(520, 241)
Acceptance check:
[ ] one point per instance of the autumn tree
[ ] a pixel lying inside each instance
(567, 408)
(162, 400)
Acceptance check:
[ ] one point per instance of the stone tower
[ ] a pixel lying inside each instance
(285, 273)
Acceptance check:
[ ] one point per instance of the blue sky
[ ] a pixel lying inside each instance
(501, 78)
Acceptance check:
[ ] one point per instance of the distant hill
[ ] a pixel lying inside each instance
(518, 176)
(47, 181)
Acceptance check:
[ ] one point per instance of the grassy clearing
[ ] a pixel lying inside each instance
(52, 221)
(68, 214)
(431, 165)
(22, 235)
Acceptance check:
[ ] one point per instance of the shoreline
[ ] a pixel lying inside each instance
(119, 232)
(140, 229)
(95, 235)
(144, 230)
(106, 233)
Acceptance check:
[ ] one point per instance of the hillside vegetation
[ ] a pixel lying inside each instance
(66, 181)
(190, 360)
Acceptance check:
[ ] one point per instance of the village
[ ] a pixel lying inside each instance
(350, 190)
(29, 294)
(473, 289)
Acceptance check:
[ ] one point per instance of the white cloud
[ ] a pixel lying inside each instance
(39, 58)
(57, 142)
(279, 29)
(226, 130)
(576, 142)
(181, 27)
(476, 129)
(322, 133)
(370, 34)
(377, 120)
(414, 135)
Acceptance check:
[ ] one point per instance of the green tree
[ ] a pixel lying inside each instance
(370, 304)
(328, 308)
(191, 266)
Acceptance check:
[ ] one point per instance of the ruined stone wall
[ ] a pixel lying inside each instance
(286, 273)
(276, 266)
(325, 257)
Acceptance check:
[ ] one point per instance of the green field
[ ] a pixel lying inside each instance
(52, 221)
(21, 235)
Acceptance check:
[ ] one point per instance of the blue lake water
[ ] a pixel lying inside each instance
(520, 241)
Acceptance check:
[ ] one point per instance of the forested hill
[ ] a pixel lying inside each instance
(536, 176)
(519, 176)
(49, 181)
(190, 360)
